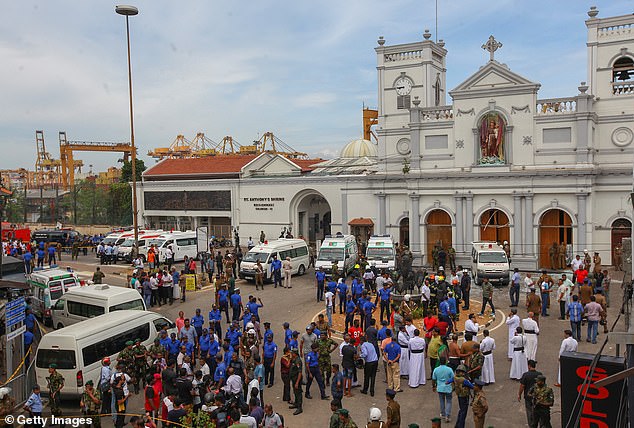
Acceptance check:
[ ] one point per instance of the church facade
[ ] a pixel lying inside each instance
(497, 163)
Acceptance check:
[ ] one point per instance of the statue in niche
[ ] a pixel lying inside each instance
(492, 128)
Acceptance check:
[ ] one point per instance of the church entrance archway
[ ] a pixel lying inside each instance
(403, 232)
(438, 231)
(494, 226)
(621, 228)
(555, 228)
(312, 215)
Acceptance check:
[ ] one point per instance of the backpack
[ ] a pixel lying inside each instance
(281, 419)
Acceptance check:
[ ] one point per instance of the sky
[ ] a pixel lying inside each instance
(302, 70)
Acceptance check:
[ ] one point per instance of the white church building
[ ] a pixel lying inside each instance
(498, 163)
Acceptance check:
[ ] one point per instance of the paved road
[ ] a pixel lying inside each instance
(298, 306)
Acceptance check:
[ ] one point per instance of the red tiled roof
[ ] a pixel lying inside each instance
(361, 222)
(306, 164)
(212, 165)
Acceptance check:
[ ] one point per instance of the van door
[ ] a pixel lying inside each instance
(58, 312)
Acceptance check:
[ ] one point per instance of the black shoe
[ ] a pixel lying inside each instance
(292, 406)
(297, 412)
(363, 392)
(325, 397)
(310, 397)
(371, 393)
(270, 385)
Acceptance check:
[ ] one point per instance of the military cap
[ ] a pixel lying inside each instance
(129, 342)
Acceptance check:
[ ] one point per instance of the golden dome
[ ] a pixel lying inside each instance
(359, 148)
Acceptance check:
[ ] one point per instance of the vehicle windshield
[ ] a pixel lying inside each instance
(254, 256)
(380, 253)
(330, 254)
(65, 359)
(128, 243)
(157, 242)
(493, 258)
(109, 240)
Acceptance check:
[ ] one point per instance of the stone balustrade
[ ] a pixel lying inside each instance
(437, 113)
(403, 56)
(616, 30)
(623, 88)
(556, 106)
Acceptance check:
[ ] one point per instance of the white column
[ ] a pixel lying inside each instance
(581, 220)
(517, 225)
(382, 213)
(414, 225)
(528, 225)
(459, 239)
(344, 213)
(469, 219)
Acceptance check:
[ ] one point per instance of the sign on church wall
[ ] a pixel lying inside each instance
(212, 200)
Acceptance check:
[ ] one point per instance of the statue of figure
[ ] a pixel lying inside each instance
(492, 138)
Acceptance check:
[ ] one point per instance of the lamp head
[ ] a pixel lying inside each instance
(126, 10)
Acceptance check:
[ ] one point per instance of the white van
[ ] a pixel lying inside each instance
(341, 249)
(126, 247)
(488, 260)
(182, 244)
(78, 350)
(380, 252)
(48, 285)
(90, 301)
(296, 249)
(114, 238)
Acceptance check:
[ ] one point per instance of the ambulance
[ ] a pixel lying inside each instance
(380, 252)
(488, 260)
(339, 249)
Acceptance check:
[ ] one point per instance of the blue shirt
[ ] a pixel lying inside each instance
(165, 343)
(28, 338)
(34, 403)
(320, 276)
(385, 294)
(368, 352)
(516, 279)
(343, 288)
(288, 335)
(452, 305)
(312, 359)
(336, 392)
(246, 319)
(228, 355)
(189, 348)
(276, 265)
(575, 310)
(29, 321)
(215, 315)
(270, 348)
(382, 334)
(443, 376)
(204, 342)
(392, 350)
(357, 288)
(222, 296)
(332, 286)
(51, 250)
(293, 344)
(233, 336)
(40, 253)
(27, 256)
(198, 321)
(236, 299)
(350, 307)
(444, 308)
(175, 277)
(173, 346)
(268, 332)
(368, 307)
(259, 373)
(219, 374)
(254, 307)
(214, 347)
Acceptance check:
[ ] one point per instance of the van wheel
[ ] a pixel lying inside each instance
(59, 326)
(302, 270)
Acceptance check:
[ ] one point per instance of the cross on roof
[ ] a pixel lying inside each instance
(491, 45)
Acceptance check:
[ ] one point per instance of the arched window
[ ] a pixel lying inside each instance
(623, 76)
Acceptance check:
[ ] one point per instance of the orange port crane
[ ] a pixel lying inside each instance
(275, 145)
(68, 164)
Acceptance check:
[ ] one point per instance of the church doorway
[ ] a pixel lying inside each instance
(312, 216)
(555, 227)
(403, 232)
(438, 231)
(621, 228)
(494, 226)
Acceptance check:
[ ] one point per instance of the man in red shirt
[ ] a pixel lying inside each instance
(582, 273)
(355, 333)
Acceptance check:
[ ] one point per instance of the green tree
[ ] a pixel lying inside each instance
(126, 170)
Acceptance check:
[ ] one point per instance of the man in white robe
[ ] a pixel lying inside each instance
(403, 341)
(486, 347)
(519, 365)
(531, 330)
(512, 322)
(416, 360)
(471, 326)
(569, 344)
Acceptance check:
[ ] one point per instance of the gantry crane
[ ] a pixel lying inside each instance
(47, 169)
(68, 164)
(276, 146)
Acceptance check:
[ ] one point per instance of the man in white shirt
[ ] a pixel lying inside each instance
(247, 419)
(563, 296)
(250, 243)
(470, 326)
(569, 344)
(234, 383)
(512, 322)
(329, 297)
(528, 283)
(531, 330)
(169, 254)
(168, 282)
(486, 347)
(576, 263)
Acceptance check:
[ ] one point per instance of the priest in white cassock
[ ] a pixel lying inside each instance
(471, 326)
(409, 327)
(403, 340)
(486, 347)
(569, 344)
(519, 365)
(416, 360)
(512, 322)
(531, 330)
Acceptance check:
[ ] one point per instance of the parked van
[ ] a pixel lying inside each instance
(126, 247)
(115, 238)
(182, 244)
(90, 301)
(341, 249)
(380, 252)
(55, 235)
(488, 260)
(48, 285)
(296, 249)
(78, 349)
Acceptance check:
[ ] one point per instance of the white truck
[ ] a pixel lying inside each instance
(340, 249)
(488, 260)
(380, 252)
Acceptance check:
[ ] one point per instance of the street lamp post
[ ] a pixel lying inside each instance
(128, 11)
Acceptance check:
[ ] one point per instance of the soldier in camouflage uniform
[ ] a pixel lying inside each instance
(126, 358)
(451, 253)
(326, 346)
(140, 364)
(156, 348)
(479, 405)
(296, 382)
(91, 403)
(543, 399)
(55, 385)
(335, 271)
